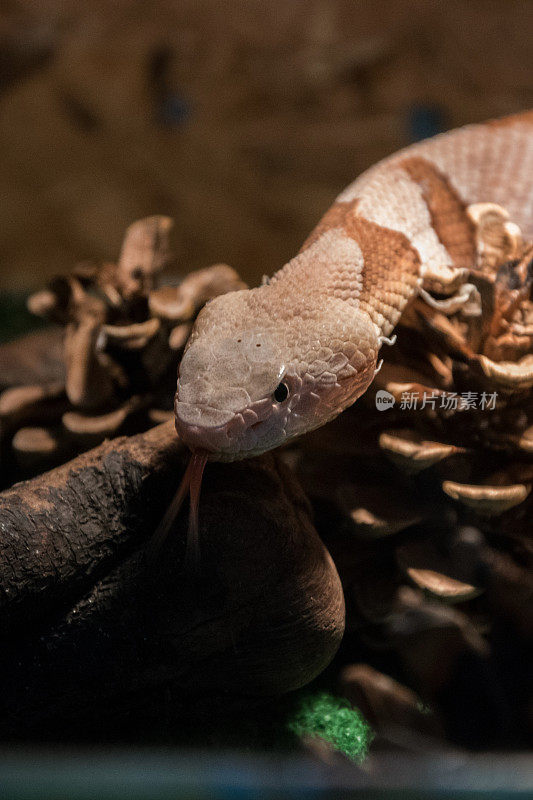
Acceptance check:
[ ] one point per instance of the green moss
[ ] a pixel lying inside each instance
(331, 718)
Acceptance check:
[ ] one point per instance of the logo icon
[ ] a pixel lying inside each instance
(384, 400)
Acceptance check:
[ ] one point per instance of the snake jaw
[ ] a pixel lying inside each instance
(240, 436)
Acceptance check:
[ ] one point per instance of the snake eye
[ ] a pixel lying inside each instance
(281, 393)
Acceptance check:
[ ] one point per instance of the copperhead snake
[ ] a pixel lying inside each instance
(265, 365)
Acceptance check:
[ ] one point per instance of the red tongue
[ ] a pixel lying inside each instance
(196, 467)
(191, 481)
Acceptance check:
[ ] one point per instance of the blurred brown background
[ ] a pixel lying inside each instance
(242, 120)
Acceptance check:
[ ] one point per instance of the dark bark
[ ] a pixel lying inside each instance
(97, 638)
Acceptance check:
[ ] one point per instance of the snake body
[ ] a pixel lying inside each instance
(267, 364)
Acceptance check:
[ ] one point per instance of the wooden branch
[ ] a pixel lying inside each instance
(94, 637)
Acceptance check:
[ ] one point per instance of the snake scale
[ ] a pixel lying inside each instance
(265, 365)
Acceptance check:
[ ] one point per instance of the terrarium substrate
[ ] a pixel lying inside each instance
(425, 511)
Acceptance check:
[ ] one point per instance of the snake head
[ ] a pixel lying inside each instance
(259, 371)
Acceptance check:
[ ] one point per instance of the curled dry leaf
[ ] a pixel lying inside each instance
(525, 440)
(182, 303)
(385, 703)
(145, 252)
(20, 398)
(91, 430)
(398, 379)
(376, 513)
(36, 449)
(89, 385)
(510, 376)
(42, 304)
(436, 572)
(179, 335)
(444, 333)
(131, 337)
(466, 300)
(411, 452)
(159, 415)
(497, 238)
(487, 500)
(22, 404)
(165, 302)
(444, 279)
(34, 441)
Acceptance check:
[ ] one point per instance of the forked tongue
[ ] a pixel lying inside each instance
(190, 483)
(192, 550)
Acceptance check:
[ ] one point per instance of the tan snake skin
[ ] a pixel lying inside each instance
(318, 325)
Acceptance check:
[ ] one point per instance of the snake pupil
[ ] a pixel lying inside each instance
(281, 393)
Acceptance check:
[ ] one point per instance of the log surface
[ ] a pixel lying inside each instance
(95, 638)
